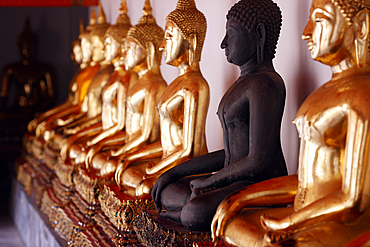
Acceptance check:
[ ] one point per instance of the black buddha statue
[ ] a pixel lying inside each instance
(250, 113)
(32, 80)
(26, 87)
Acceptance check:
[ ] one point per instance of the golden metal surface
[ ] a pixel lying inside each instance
(142, 120)
(182, 108)
(114, 102)
(331, 189)
(72, 99)
(78, 87)
(92, 103)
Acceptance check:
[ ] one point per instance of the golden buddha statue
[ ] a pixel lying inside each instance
(330, 190)
(33, 81)
(76, 56)
(142, 120)
(88, 69)
(90, 110)
(182, 107)
(113, 96)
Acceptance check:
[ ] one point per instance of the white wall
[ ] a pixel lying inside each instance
(300, 73)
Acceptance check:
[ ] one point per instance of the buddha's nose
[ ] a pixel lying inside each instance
(161, 47)
(224, 43)
(307, 32)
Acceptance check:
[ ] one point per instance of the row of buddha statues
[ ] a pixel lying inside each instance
(124, 133)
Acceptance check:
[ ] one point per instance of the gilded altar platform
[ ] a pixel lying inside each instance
(49, 213)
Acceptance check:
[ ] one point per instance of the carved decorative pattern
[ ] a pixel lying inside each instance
(121, 210)
(118, 238)
(89, 186)
(64, 171)
(153, 233)
(24, 176)
(50, 157)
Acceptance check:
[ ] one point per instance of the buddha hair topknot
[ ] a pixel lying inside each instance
(78, 40)
(190, 20)
(250, 13)
(119, 30)
(350, 8)
(102, 26)
(27, 36)
(147, 30)
(92, 23)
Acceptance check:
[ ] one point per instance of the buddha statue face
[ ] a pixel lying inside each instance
(97, 48)
(135, 53)
(239, 44)
(324, 31)
(28, 50)
(111, 48)
(86, 49)
(172, 43)
(77, 54)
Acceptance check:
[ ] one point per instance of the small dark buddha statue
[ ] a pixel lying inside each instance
(250, 113)
(33, 80)
(26, 87)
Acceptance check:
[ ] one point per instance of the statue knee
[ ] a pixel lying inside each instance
(98, 161)
(196, 215)
(174, 197)
(74, 151)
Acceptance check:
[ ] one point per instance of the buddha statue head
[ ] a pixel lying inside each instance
(27, 42)
(252, 31)
(116, 34)
(76, 51)
(97, 36)
(143, 41)
(85, 37)
(185, 31)
(338, 33)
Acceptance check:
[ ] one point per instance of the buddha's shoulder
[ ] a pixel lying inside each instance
(262, 82)
(190, 81)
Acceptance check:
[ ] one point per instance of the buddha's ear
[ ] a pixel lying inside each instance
(362, 25)
(192, 48)
(261, 34)
(150, 58)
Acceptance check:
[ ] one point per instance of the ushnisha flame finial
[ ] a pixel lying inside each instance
(81, 25)
(147, 10)
(92, 17)
(101, 18)
(123, 7)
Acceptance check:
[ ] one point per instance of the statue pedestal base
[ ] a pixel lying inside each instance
(70, 223)
(35, 176)
(50, 156)
(65, 171)
(89, 186)
(117, 237)
(152, 231)
(120, 208)
(37, 148)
